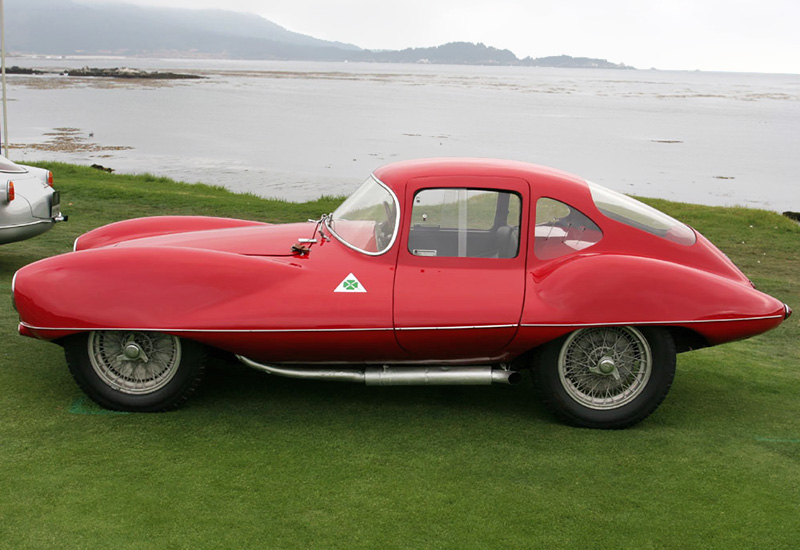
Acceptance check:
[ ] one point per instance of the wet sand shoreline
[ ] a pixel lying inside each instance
(300, 130)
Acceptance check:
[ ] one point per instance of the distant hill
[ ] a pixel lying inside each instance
(572, 62)
(65, 27)
(454, 53)
(460, 53)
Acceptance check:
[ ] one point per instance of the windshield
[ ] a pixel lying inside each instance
(367, 221)
(631, 212)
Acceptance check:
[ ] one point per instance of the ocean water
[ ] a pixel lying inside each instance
(298, 130)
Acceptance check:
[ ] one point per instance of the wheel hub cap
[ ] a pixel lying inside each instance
(606, 365)
(132, 352)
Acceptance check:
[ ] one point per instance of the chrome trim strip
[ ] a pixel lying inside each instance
(269, 330)
(639, 323)
(404, 329)
(327, 219)
(28, 224)
(13, 285)
(467, 327)
(210, 330)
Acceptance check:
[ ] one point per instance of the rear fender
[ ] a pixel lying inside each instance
(616, 289)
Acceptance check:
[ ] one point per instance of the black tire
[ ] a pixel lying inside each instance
(606, 377)
(135, 371)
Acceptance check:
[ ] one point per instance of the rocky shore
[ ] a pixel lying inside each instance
(792, 215)
(116, 72)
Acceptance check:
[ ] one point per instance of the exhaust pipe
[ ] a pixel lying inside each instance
(340, 375)
(396, 376)
(438, 376)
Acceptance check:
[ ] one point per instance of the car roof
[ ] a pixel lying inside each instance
(547, 181)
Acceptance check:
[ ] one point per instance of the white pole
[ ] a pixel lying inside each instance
(3, 55)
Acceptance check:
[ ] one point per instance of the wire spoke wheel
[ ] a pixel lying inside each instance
(135, 363)
(607, 377)
(605, 367)
(135, 370)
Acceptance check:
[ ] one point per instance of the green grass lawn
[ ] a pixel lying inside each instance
(255, 461)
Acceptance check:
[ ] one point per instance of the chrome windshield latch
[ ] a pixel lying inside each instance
(321, 223)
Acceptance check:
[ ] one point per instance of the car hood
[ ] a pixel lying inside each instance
(261, 240)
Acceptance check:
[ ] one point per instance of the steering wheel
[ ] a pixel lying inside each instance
(385, 230)
(390, 215)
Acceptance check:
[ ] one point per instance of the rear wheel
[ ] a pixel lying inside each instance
(606, 377)
(135, 370)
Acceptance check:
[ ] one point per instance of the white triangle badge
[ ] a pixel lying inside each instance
(350, 284)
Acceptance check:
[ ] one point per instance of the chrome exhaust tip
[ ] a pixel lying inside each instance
(510, 377)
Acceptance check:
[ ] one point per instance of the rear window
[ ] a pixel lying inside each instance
(8, 166)
(624, 209)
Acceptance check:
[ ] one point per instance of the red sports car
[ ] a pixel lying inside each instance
(442, 271)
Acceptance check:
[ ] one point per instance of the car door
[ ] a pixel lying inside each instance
(460, 281)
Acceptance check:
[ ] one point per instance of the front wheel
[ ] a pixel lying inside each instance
(135, 370)
(606, 377)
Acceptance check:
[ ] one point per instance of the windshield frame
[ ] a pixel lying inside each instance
(396, 230)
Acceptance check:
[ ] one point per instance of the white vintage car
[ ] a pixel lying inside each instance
(29, 205)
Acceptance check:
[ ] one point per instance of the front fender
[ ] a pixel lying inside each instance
(138, 228)
(165, 289)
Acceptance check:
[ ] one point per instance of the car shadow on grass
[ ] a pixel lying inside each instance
(230, 386)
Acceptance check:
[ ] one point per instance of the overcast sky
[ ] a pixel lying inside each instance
(721, 35)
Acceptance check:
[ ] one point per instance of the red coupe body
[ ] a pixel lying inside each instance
(457, 262)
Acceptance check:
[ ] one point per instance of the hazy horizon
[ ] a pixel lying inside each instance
(708, 35)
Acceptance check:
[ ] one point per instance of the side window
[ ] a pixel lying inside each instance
(561, 230)
(465, 223)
